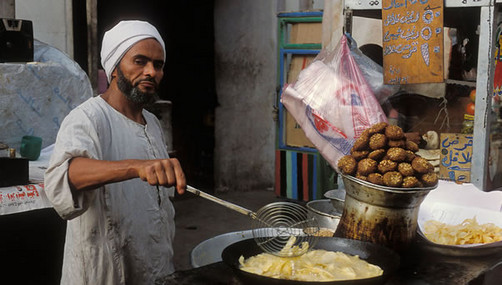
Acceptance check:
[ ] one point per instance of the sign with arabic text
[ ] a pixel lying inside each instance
(412, 37)
(456, 157)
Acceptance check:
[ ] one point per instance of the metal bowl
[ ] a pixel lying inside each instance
(209, 251)
(323, 211)
(337, 198)
(380, 214)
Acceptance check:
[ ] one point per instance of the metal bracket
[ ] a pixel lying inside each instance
(348, 21)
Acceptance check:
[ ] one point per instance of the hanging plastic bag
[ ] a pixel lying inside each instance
(332, 102)
(372, 72)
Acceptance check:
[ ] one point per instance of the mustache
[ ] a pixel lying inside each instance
(148, 79)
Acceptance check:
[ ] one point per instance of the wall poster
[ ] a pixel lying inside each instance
(412, 39)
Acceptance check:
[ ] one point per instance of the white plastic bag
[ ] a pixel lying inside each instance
(332, 102)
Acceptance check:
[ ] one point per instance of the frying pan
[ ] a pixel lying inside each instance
(379, 255)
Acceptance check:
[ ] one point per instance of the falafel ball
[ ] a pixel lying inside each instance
(394, 132)
(366, 166)
(375, 178)
(377, 154)
(361, 142)
(387, 165)
(405, 169)
(410, 155)
(347, 164)
(378, 128)
(397, 143)
(429, 179)
(421, 165)
(410, 145)
(396, 154)
(362, 177)
(393, 179)
(410, 182)
(377, 141)
(359, 154)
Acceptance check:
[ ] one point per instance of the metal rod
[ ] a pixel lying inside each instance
(229, 205)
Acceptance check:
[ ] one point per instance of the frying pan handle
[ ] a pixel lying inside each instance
(220, 201)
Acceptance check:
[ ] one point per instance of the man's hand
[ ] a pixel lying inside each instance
(165, 172)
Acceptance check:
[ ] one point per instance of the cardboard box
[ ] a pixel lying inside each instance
(456, 156)
(295, 136)
(301, 33)
(306, 33)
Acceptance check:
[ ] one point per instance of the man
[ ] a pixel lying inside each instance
(109, 168)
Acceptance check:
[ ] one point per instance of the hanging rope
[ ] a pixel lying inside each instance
(446, 119)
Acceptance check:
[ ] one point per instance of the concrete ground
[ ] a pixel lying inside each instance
(198, 219)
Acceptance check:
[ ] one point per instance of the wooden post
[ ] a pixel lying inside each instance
(92, 43)
(332, 23)
(8, 9)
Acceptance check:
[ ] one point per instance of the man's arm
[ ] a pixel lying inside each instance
(86, 174)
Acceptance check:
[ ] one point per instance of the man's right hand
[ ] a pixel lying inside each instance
(165, 172)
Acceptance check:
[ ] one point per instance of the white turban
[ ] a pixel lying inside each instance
(118, 40)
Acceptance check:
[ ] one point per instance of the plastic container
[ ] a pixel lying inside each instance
(468, 124)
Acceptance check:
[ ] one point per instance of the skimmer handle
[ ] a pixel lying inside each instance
(229, 205)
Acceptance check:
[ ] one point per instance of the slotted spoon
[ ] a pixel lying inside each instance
(279, 228)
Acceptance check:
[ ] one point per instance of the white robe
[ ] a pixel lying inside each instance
(122, 232)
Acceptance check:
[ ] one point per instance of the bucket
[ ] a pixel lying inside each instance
(380, 214)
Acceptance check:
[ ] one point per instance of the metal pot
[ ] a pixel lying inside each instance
(326, 215)
(379, 214)
(387, 259)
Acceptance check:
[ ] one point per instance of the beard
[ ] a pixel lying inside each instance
(133, 93)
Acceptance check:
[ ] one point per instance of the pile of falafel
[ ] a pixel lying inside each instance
(384, 156)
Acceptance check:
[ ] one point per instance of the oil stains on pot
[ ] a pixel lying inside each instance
(382, 215)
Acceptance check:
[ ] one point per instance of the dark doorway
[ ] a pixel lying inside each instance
(187, 28)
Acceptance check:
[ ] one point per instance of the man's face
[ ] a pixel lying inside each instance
(140, 71)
